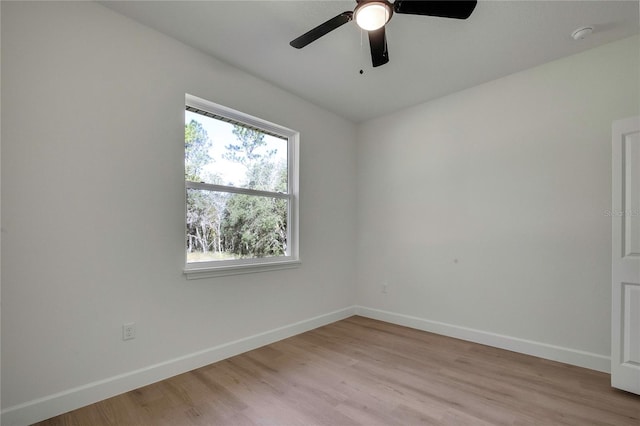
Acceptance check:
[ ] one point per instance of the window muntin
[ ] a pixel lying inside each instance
(241, 189)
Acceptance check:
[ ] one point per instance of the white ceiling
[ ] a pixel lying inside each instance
(429, 57)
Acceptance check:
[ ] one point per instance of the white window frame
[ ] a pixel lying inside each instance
(291, 259)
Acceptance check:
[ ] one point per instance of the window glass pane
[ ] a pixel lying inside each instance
(223, 153)
(225, 226)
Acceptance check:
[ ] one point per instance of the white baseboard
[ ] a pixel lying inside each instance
(71, 399)
(542, 350)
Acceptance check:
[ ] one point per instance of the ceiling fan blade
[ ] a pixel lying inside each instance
(378, 45)
(459, 9)
(321, 30)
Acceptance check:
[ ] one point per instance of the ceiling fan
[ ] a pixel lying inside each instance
(373, 15)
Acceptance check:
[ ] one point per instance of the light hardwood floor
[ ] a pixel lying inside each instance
(365, 372)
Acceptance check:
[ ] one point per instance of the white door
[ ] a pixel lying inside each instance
(625, 270)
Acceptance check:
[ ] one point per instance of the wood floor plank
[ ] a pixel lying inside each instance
(361, 371)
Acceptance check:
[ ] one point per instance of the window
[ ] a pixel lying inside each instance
(241, 180)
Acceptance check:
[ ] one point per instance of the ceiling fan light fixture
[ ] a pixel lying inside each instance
(372, 15)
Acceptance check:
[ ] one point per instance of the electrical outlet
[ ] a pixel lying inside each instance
(129, 331)
(384, 288)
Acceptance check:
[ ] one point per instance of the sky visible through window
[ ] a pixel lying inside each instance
(220, 134)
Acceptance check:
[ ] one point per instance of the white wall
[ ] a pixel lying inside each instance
(0, 222)
(93, 207)
(484, 211)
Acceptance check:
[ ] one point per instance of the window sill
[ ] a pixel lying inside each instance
(195, 273)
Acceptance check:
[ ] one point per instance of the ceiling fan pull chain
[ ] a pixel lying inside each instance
(361, 51)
